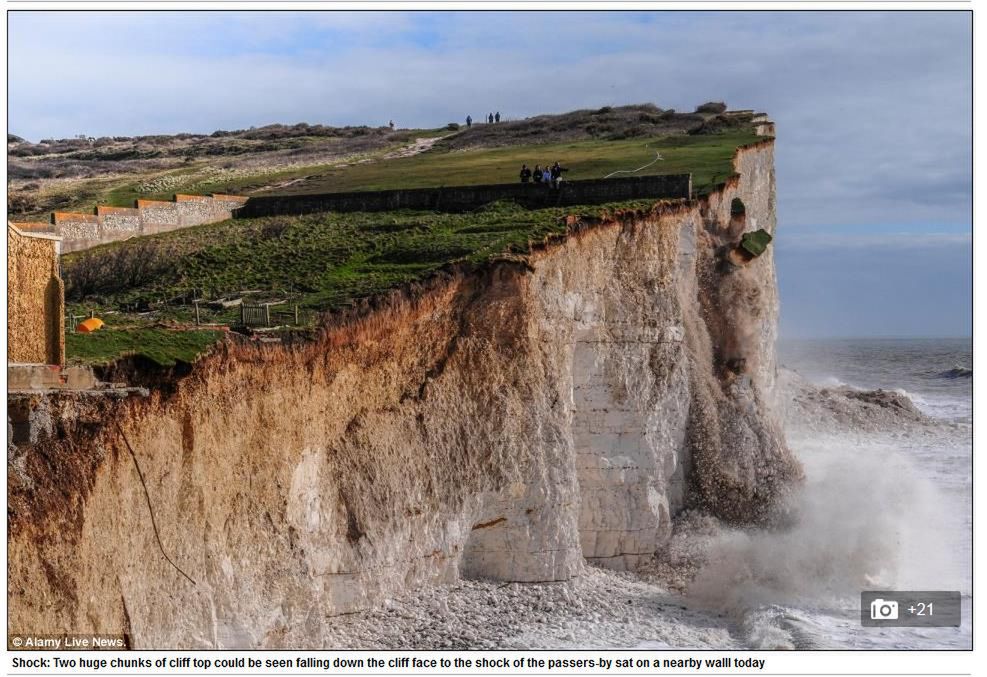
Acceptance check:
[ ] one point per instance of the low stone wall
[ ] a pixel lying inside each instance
(466, 198)
(147, 217)
(125, 220)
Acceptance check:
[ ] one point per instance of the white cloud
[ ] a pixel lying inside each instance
(873, 109)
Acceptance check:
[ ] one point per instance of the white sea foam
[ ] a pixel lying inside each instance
(885, 505)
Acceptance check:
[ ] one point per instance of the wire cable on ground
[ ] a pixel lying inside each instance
(147, 497)
(631, 171)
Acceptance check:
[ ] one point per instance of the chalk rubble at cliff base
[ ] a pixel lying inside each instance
(601, 609)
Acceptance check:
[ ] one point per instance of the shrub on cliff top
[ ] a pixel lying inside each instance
(715, 107)
(721, 124)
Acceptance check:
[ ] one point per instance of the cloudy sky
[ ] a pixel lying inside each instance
(873, 112)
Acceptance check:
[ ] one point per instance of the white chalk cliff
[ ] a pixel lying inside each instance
(509, 422)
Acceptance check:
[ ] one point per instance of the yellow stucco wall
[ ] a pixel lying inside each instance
(35, 300)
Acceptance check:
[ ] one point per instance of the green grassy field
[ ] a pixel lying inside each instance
(321, 261)
(123, 194)
(164, 347)
(707, 157)
(327, 261)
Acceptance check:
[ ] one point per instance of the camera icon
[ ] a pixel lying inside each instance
(883, 610)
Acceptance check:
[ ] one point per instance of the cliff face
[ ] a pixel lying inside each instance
(510, 423)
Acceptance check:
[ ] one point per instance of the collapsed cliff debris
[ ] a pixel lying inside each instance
(751, 245)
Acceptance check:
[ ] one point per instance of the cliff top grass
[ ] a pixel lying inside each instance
(163, 347)
(328, 261)
(707, 157)
(76, 174)
(322, 261)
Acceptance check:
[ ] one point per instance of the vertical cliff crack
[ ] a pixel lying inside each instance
(128, 631)
(451, 346)
(150, 508)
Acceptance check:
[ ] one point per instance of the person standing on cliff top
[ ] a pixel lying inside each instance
(556, 173)
(497, 116)
(537, 174)
(490, 118)
(525, 174)
(469, 122)
(546, 175)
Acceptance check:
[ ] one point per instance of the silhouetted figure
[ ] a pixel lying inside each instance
(490, 118)
(391, 124)
(525, 174)
(497, 116)
(469, 122)
(536, 175)
(556, 173)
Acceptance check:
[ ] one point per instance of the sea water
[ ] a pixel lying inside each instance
(894, 501)
(886, 504)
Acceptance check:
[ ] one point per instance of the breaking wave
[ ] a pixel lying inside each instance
(872, 514)
(956, 372)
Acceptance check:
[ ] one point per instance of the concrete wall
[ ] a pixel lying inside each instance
(465, 198)
(35, 298)
(147, 217)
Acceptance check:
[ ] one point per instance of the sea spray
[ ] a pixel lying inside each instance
(855, 525)
(872, 514)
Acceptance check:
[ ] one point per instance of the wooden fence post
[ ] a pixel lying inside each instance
(296, 314)
(197, 313)
(243, 314)
(267, 314)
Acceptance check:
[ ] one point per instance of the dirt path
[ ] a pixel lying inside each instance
(419, 146)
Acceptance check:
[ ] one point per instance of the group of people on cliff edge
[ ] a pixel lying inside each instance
(491, 119)
(549, 175)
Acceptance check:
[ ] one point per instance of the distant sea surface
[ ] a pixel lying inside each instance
(936, 374)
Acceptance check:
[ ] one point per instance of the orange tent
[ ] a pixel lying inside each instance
(90, 325)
